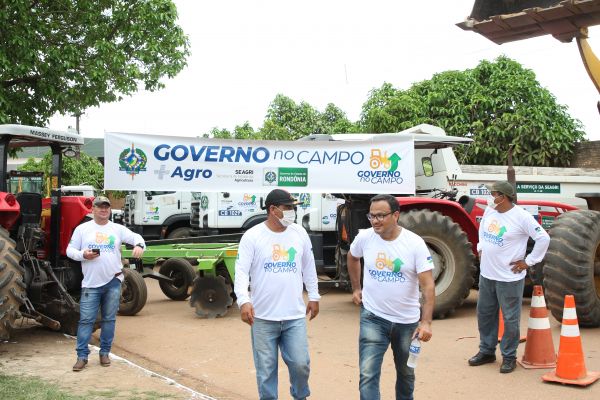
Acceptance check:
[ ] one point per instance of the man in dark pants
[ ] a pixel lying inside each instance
(503, 234)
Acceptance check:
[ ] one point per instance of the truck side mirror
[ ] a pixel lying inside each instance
(427, 166)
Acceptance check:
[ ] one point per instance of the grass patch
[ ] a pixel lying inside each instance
(20, 388)
(33, 388)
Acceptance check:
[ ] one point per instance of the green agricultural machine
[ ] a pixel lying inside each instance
(188, 268)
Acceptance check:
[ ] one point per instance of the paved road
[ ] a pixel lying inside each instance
(214, 356)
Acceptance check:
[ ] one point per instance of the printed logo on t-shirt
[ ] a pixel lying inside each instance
(282, 260)
(387, 269)
(494, 233)
(538, 229)
(103, 242)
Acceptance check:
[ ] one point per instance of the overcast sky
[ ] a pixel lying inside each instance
(244, 52)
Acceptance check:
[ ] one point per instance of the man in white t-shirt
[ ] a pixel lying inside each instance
(275, 258)
(503, 234)
(396, 263)
(97, 244)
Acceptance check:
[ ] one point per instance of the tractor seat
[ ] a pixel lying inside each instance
(31, 207)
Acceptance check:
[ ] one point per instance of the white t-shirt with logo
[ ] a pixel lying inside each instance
(503, 239)
(108, 238)
(275, 265)
(390, 282)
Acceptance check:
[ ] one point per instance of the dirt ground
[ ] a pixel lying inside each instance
(214, 356)
(37, 352)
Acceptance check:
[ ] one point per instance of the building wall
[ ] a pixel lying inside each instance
(587, 155)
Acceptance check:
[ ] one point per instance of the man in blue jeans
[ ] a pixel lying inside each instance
(97, 244)
(275, 258)
(396, 263)
(503, 234)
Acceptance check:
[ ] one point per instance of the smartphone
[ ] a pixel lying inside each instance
(96, 251)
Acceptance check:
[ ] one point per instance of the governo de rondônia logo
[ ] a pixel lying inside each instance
(133, 161)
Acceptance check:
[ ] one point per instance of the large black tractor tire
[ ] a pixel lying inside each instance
(179, 233)
(133, 293)
(572, 265)
(182, 273)
(12, 287)
(452, 256)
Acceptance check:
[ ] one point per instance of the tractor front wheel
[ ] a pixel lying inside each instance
(133, 292)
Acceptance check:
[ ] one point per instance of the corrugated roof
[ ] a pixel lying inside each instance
(563, 20)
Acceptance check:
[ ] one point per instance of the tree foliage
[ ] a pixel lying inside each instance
(244, 131)
(498, 104)
(63, 56)
(86, 170)
(287, 120)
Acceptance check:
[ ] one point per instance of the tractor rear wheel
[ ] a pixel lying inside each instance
(179, 233)
(452, 254)
(12, 286)
(133, 292)
(572, 265)
(182, 273)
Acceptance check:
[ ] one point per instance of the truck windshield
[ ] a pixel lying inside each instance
(196, 195)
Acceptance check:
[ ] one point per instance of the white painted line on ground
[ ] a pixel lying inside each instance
(194, 394)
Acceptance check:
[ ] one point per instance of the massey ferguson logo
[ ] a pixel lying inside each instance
(133, 161)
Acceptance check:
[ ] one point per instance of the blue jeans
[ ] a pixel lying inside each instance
(505, 295)
(376, 334)
(107, 299)
(290, 337)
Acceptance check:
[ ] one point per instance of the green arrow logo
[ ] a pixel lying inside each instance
(253, 198)
(502, 231)
(397, 265)
(394, 158)
(291, 254)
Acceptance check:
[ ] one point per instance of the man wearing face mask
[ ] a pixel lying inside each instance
(503, 234)
(275, 258)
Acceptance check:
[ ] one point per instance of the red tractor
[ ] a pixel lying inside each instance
(450, 229)
(37, 280)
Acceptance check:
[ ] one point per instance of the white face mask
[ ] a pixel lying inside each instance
(491, 203)
(289, 216)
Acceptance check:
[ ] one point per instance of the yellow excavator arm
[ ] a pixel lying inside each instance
(591, 62)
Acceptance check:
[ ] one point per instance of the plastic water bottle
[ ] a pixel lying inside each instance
(413, 352)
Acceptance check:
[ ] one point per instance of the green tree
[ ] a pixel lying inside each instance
(244, 131)
(85, 170)
(287, 120)
(498, 104)
(63, 56)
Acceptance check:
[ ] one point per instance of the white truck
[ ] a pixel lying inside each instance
(224, 212)
(159, 214)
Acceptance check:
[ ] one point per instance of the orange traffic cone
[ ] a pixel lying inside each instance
(501, 328)
(570, 366)
(539, 350)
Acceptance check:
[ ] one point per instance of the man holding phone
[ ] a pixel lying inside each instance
(97, 244)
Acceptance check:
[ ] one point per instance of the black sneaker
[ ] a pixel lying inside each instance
(508, 365)
(481, 358)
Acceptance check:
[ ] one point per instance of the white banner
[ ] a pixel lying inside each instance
(148, 162)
